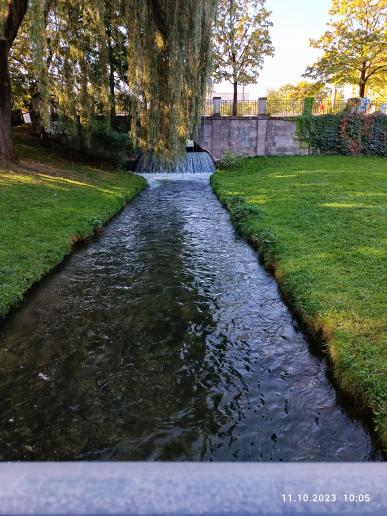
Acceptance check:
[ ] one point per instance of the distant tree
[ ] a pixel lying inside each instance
(355, 47)
(299, 91)
(241, 42)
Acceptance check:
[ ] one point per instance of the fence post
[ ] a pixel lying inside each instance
(262, 106)
(216, 106)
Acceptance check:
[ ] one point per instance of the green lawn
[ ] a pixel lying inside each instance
(320, 223)
(47, 204)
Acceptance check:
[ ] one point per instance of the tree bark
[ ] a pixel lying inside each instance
(6, 148)
(16, 13)
(362, 87)
(362, 82)
(235, 100)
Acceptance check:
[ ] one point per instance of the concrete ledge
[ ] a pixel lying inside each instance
(231, 117)
(192, 488)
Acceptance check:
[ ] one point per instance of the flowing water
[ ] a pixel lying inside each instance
(191, 163)
(164, 339)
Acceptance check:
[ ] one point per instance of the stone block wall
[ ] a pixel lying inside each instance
(249, 136)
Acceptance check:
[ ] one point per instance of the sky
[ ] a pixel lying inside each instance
(295, 22)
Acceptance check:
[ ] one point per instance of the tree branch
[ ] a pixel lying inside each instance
(16, 12)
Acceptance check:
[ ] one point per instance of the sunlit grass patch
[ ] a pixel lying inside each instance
(47, 204)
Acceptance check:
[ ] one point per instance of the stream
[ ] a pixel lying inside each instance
(164, 339)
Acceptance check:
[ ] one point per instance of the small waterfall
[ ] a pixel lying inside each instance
(192, 163)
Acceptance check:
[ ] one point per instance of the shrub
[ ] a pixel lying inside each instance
(116, 144)
(346, 133)
(229, 160)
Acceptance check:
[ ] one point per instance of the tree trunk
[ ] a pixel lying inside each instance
(16, 12)
(6, 147)
(111, 87)
(235, 100)
(362, 82)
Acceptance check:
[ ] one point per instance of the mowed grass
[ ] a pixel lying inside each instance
(320, 224)
(46, 205)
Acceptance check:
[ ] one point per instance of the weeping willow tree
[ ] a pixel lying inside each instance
(168, 56)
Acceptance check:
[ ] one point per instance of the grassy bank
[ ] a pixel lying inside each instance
(47, 204)
(319, 223)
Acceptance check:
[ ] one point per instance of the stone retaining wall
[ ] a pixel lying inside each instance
(249, 136)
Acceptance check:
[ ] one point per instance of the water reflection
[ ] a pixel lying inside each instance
(164, 340)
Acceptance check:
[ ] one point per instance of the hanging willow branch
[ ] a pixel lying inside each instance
(169, 57)
(4, 5)
(39, 53)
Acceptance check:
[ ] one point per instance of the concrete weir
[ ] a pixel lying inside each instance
(191, 163)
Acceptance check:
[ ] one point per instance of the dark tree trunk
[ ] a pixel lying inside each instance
(235, 100)
(6, 147)
(16, 12)
(362, 82)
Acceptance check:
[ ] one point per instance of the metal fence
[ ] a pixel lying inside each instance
(208, 108)
(289, 108)
(282, 108)
(326, 106)
(285, 107)
(244, 107)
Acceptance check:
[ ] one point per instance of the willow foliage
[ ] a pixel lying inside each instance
(39, 53)
(168, 52)
(3, 12)
(73, 48)
(169, 56)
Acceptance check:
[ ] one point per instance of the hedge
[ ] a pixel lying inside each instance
(344, 133)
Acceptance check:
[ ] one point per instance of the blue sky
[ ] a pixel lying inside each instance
(295, 22)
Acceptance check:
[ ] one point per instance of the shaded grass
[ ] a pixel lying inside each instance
(46, 205)
(320, 226)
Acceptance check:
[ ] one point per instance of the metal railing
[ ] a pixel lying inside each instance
(326, 106)
(289, 108)
(208, 108)
(285, 107)
(244, 107)
(282, 108)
